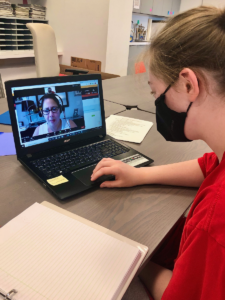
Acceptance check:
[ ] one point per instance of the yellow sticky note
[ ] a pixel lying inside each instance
(57, 180)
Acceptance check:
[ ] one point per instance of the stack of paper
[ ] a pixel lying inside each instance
(38, 14)
(5, 8)
(127, 129)
(20, 12)
(34, 11)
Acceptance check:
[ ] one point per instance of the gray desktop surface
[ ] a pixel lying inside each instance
(129, 91)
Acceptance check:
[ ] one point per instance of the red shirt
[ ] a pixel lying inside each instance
(199, 271)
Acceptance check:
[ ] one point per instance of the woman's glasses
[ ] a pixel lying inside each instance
(53, 109)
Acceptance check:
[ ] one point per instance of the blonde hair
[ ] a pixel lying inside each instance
(193, 39)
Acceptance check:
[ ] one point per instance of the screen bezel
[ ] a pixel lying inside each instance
(23, 151)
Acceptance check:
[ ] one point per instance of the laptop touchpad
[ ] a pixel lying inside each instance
(84, 175)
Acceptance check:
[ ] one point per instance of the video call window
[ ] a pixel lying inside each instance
(48, 111)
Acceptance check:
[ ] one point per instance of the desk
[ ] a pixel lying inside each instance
(148, 106)
(144, 213)
(129, 91)
(112, 108)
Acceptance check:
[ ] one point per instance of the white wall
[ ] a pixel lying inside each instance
(19, 68)
(119, 26)
(28, 71)
(80, 28)
(188, 4)
(217, 3)
(84, 28)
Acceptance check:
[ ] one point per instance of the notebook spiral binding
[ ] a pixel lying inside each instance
(8, 295)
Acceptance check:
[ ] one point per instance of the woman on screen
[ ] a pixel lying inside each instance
(51, 110)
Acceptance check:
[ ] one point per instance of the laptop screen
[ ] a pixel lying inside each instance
(56, 111)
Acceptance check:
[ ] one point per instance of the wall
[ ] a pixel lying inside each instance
(119, 25)
(80, 28)
(188, 4)
(96, 30)
(217, 3)
(135, 55)
(17, 69)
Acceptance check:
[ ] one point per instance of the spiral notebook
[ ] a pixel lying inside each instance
(49, 253)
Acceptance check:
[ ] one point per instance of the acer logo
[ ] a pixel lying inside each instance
(66, 141)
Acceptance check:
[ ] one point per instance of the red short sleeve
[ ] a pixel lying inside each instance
(208, 162)
(199, 272)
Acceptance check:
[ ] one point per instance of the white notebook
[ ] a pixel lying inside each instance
(48, 253)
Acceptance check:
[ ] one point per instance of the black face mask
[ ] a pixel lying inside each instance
(169, 122)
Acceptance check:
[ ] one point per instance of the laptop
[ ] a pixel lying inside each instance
(59, 131)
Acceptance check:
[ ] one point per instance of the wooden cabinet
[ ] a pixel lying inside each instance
(146, 6)
(175, 6)
(167, 8)
(170, 7)
(157, 7)
(137, 10)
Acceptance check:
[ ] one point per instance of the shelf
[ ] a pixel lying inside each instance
(8, 54)
(24, 45)
(139, 43)
(15, 40)
(8, 28)
(16, 36)
(19, 19)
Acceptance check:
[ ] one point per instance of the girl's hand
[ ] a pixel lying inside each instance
(125, 175)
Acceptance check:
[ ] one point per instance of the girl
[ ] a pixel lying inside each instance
(187, 78)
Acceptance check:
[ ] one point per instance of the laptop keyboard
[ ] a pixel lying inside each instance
(61, 163)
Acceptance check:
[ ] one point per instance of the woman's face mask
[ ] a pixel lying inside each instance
(169, 122)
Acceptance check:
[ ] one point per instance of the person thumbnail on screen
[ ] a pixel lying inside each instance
(50, 90)
(52, 109)
(48, 112)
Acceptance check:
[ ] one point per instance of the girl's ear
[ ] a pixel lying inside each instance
(190, 84)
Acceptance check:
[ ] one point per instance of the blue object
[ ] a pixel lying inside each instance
(1, 132)
(5, 118)
(7, 146)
